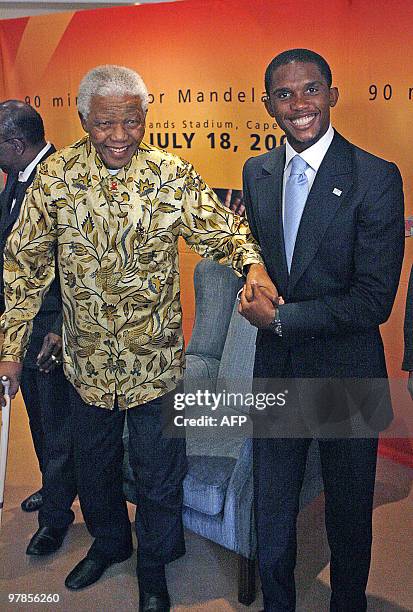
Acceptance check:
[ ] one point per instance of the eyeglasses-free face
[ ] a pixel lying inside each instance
(116, 125)
(10, 159)
(300, 101)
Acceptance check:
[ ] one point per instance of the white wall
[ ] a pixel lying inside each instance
(10, 9)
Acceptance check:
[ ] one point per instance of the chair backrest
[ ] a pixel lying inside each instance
(223, 334)
(216, 287)
(237, 359)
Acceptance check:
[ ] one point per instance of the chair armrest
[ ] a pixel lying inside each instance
(200, 369)
(243, 468)
(238, 523)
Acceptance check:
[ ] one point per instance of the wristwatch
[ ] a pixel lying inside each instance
(275, 325)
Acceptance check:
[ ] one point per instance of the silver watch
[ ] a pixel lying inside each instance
(275, 325)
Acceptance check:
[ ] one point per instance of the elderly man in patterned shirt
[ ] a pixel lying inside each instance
(115, 208)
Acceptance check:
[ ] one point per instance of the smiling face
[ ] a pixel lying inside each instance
(300, 101)
(116, 125)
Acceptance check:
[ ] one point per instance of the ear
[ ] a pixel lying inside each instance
(268, 106)
(333, 96)
(19, 145)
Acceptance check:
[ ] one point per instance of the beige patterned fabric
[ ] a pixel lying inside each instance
(117, 243)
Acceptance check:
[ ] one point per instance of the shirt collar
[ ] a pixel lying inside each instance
(24, 175)
(314, 155)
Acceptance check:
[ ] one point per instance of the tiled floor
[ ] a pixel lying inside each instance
(205, 579)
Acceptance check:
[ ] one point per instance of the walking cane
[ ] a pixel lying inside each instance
(5, 422)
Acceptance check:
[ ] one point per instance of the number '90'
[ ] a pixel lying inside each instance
(384, 92)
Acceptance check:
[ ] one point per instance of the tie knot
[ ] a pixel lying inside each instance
(298, 165)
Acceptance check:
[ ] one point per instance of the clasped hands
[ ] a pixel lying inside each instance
(259, 297)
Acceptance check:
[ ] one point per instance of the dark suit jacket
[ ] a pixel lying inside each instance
(408, 328)
(346, 264)
(49, 318)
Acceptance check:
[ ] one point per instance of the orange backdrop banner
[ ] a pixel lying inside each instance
(204, 62)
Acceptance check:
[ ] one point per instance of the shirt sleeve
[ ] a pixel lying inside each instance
(29, 269)
(214, 231)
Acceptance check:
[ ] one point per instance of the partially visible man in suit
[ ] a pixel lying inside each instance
(329, 219)
(44, 387)
(408, 335)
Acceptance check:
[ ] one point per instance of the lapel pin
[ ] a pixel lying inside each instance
(337, 192)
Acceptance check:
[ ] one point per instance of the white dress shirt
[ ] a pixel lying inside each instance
(24, 174)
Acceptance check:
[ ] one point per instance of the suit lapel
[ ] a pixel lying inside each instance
(19, 195)
(329, 192)
(269, 200)
(5, 200)
(8, 219)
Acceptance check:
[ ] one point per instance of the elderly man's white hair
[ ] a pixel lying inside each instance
(110, 80)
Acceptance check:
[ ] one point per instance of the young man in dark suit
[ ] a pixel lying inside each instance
(44, 387)
(329, 219)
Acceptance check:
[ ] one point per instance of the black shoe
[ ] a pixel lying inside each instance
(85, 573)
(89, 570)
(45, 541)
(154, 602)
(33, 502)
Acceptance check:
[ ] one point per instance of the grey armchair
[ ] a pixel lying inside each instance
(218, 489)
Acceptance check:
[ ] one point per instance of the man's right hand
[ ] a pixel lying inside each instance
(13, 372)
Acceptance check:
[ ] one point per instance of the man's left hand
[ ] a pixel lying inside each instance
(51, 353)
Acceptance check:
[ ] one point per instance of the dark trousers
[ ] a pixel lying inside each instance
(47, 403)
(348, 468)
(159, 466)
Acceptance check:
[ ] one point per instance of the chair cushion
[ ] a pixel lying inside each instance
(206, 483)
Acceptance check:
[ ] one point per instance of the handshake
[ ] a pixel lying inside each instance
(259, 298)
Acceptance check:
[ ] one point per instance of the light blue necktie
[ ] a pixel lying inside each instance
(296, 192)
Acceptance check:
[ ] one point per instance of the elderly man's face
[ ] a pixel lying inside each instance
(116, 125)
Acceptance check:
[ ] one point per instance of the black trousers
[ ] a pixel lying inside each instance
(46, 397)
(348, 468)
(159, 465)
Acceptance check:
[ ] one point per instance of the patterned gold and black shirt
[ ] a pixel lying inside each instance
(117, 251)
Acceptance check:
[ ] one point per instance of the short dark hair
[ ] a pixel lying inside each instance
(297, 55)
(20, 120)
